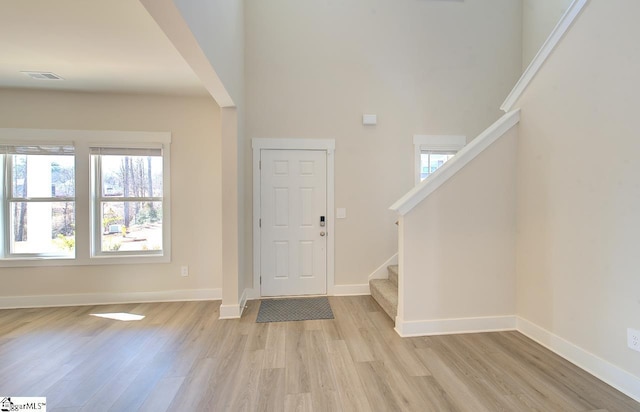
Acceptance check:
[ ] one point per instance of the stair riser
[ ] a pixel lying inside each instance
(385, 305)
(386, 294)
(393, 274)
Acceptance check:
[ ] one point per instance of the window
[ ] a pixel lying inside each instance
(431, 152)
(127, 203)
(102, 198)
(431, 160)
(39, 201)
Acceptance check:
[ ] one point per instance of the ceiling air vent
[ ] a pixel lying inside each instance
(43, 75)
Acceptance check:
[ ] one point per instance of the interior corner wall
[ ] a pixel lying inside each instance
(579, 187)
(424, 67)
(539, 17)
(460, 262)
(194, 123)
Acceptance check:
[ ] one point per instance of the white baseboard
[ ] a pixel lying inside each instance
(230, 312)
(600, 368)
(234, 311)
(351, 290)
(243, 300)
(620, 379)
(454, 326)
(382, 272)
(86, 299)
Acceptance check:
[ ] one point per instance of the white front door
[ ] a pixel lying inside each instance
(293, 243)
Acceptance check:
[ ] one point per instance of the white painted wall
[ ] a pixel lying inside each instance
(578, 217)
(458, 259)
(424, 67)
(218, 26)
(196, 189)
(539, 17)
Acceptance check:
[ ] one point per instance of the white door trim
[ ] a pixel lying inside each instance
(327, 145)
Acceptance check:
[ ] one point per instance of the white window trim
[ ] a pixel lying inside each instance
(435, 143)
(7, 197)
(83, 140)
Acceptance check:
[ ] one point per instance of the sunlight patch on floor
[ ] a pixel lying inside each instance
(126, 317)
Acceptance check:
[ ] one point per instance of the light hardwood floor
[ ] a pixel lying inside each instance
(181, 357)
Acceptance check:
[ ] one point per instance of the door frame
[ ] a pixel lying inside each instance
(326, 145)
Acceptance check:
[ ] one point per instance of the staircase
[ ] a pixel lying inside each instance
(385, 292)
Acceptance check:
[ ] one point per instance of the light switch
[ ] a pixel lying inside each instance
(341, 213)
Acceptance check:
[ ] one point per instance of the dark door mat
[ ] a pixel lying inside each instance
(286, 310)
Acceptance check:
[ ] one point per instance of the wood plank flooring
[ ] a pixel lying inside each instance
(182, 357)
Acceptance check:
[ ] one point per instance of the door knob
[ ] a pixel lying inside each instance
(322, 233)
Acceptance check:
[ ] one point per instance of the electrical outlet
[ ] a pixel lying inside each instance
(633, 339)
(184, 271)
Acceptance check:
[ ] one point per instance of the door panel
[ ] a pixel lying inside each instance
(293, 196)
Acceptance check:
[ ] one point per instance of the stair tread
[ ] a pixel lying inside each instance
(385, 292)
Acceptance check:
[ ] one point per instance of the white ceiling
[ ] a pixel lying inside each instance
(95, 45)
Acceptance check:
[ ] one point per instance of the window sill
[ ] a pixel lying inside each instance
(94, 261)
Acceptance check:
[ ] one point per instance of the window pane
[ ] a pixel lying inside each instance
(43, 176)
(430, 161)
(131, 176)
(131, 226)
(43, 227)
(424, 165)
(438, 160)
